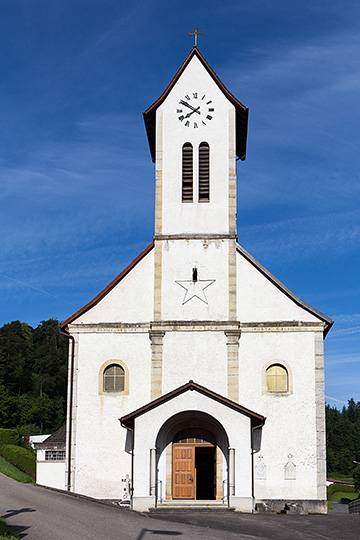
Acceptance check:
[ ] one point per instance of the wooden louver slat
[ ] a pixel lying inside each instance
(187, 173)
(204, 172)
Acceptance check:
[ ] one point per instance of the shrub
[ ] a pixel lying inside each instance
(22, 458)
(333, 488)
(8, 436)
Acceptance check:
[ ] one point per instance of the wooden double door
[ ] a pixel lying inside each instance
(194, 471)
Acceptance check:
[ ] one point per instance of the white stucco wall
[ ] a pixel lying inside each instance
(200, 356)
(210, 258)
(290, 426)
(131, 300)
(259, 300)
(99, 443)
(51, 473)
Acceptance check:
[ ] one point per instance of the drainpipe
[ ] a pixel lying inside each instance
(252, 466)
(71, 391)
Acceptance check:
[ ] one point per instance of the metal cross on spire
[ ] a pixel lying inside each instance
(196, 33)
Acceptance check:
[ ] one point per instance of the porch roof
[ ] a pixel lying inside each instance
(128, 420)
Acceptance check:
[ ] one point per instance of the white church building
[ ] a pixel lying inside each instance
(195, 376)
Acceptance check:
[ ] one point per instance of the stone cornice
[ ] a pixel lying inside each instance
(195, 236)
(198, 326)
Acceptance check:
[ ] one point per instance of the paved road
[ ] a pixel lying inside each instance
(39, 514)
(340, 508)
(36, 513)
(275, 527)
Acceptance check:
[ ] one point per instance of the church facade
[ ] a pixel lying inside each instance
(196, 375)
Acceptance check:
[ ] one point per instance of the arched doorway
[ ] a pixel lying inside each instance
(180, 429)
(194, 464)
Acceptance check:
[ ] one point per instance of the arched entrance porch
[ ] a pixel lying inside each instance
(152, 438)
(192, 458)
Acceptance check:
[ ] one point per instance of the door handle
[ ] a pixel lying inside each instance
(191, 479)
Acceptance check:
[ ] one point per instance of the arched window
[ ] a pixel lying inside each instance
(194, 436)
(277, 379)
(114, 378)
(187, 173)
(204, 172)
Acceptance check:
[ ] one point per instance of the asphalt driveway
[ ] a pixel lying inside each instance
(36, 513)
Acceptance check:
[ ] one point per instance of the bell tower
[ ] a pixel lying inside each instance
(196, 129)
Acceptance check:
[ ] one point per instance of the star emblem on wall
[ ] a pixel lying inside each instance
(195, 288)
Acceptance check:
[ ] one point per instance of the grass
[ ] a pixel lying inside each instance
(344, 495)
(6, 533)
(11, 471)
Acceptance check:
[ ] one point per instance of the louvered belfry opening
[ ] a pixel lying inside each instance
(204, 172)
(187, 173)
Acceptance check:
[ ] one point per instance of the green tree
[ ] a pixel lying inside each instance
(7, 409)
(50, 350)
(33, 375)
(16, 357)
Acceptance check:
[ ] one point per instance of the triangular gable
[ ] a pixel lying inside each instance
(108, 288)
(128, 420)
(328, 322)
(241, 111)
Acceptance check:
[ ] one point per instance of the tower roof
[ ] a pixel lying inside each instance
(241, 110)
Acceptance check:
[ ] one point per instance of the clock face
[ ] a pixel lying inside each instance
(195, 110)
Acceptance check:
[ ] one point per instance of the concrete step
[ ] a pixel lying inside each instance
(191, 506)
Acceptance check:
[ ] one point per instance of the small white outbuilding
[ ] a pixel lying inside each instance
(196, 375)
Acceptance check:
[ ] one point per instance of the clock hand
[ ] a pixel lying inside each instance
(192, 112)
(189, 106)
(185, 103)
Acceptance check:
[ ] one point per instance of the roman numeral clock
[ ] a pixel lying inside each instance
(195, 110)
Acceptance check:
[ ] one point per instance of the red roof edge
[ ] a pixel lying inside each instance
(128, 420)
(241, 110)
(328, 322)
(108, 288)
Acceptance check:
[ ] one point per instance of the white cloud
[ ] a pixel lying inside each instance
(305, 236)
(329, 398)
(346, 332)
(344, 318)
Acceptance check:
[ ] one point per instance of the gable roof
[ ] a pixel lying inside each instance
(328, 322)
(242, 112)
(108, 288)
(56, 440)
(128, 420)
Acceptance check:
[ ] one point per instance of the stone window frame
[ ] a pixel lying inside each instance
(105, 365)
(285, 365)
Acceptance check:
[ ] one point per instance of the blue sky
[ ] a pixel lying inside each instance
(76, 177)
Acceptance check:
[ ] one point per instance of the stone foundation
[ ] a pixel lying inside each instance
(311, 506)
